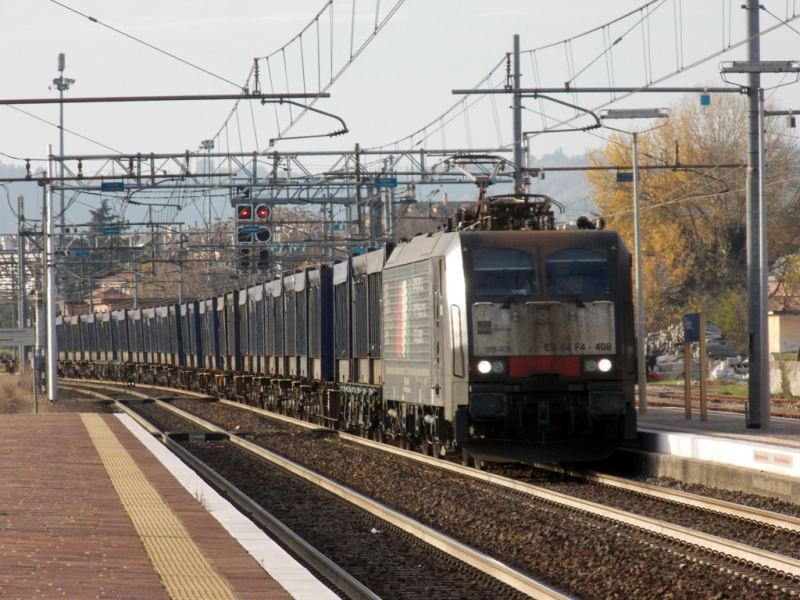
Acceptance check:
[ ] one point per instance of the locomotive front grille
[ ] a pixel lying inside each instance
(489, 406)
(607, 404)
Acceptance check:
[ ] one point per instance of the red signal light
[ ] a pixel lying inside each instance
(244, 212)
(262, 211)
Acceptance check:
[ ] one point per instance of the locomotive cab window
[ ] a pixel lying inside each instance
(504, 272)
(577, 272)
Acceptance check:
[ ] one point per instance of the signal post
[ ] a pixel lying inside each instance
(253, 231)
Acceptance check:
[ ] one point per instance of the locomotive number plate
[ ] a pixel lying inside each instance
(579, 347)
(497, 349)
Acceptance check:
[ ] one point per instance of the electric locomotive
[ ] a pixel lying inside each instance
(514, 338)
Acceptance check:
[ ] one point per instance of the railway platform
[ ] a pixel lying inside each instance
(721, 452)
(92, 506)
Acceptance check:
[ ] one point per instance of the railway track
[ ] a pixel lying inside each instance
(385, 551)
(780, 407)
(505, 517)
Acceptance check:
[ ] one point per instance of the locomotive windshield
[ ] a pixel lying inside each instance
(577, 272)
(504, 272)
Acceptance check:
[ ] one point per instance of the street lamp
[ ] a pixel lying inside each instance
(638, 113)
(62, 84)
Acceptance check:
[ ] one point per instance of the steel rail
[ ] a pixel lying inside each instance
(727, 548)
(451, 547)
(757, 515)
(748, 513)
(345, 582)
(719, 408)
(462, 552)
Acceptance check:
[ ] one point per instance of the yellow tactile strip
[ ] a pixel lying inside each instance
(182, 566)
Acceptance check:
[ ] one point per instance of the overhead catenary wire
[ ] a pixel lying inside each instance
(76, 134)
(606, 31)
(692, 65)
(157, 49)
(334, 76)
(491, 72)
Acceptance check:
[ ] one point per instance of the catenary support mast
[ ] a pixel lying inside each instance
(755, 417)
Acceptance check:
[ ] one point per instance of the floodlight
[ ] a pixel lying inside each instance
(760, 66)
(635, 113)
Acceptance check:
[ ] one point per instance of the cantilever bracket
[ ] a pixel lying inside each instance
(338, 132)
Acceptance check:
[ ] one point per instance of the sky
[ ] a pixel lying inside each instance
(400, 83)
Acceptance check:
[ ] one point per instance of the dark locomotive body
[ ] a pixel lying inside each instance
(510, 345)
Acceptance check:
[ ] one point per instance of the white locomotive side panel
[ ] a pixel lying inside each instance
(408, 332)
(543, 329)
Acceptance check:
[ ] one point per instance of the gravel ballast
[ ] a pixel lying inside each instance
(577, 553)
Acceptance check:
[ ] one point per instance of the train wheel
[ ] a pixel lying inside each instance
(425, 447)
(469, 461)
(436, 450)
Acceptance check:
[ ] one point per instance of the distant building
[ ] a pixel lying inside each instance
(784, 318)
(121, 282)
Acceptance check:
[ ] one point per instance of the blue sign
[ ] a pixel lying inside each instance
(386, 182)
(110, 230)
(691, 327)
(82, 254)
(250, 229)
(705, 99)
(624, 177)
(112, 186)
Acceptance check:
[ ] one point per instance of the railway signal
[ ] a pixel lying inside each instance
(253, 234)
(263, 235)
(263, 212)
(244, 212)
(262, 264)
(244, 256)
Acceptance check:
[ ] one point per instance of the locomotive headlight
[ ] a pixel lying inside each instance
(604, 365)
(590, 366)
(498, 366)
(485, 367)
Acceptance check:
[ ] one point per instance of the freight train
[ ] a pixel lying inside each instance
(499, 337)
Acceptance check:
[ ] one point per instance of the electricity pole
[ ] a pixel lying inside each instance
(50, 290)
(21, 274)
(518, 177)
(757, 367)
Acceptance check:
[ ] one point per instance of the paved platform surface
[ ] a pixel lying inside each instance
(723, 438)
(76, 521)
(782, 431)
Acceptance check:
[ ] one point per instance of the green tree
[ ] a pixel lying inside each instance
(102, 215)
